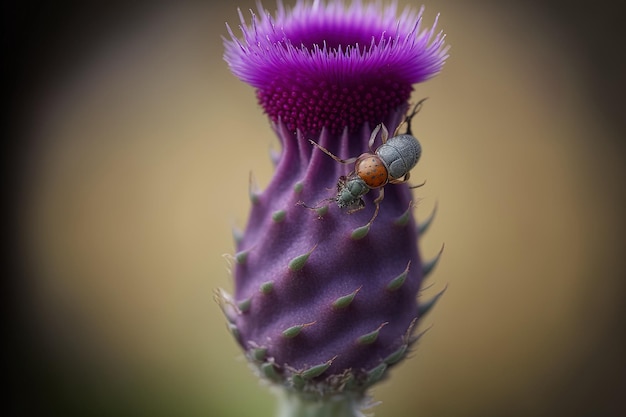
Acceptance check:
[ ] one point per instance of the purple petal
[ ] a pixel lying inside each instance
(327, 65)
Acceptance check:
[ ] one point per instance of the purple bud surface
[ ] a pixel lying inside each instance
(326, 294)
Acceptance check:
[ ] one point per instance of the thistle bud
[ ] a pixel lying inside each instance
(327, 272)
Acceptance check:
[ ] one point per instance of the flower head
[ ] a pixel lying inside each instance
(327, 273)
(334, 66)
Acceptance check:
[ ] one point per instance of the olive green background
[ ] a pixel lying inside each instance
(135, 148)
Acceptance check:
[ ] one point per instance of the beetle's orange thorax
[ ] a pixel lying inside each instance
(370, 168)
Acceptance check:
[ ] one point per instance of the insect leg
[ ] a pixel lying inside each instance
(384, 135)
(329, 153)
(405, 179)
(418, 185)
(400, 180)
(416, 110)
(381, 195)
(319, 205)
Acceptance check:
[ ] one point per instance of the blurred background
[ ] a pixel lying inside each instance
(130, 145)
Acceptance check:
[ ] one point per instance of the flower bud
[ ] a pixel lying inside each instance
(327, 272)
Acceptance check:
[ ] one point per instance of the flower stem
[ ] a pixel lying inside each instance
(299, 405)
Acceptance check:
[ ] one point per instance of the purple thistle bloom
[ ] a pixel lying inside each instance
(325, 299)
(334, 66)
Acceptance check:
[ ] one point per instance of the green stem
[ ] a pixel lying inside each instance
(293, 404)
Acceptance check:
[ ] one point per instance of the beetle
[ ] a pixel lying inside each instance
(390, 163)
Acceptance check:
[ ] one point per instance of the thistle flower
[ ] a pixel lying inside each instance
(325, 297)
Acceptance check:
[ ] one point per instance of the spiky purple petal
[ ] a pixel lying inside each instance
(334, 66)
